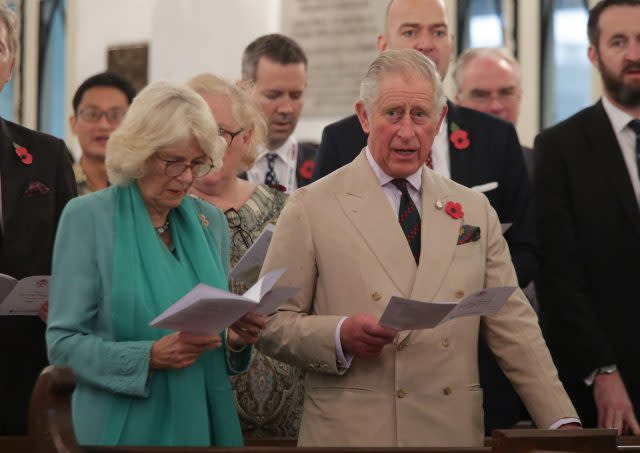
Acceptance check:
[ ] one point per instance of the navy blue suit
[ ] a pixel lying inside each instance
(494, 154)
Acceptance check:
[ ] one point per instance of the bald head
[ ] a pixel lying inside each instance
(421, 25)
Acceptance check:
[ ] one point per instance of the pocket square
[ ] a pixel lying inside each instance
(35, 188)
(468, 233)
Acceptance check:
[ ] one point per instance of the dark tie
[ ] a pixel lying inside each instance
(270, 178)
(409, 218)
(634, 125)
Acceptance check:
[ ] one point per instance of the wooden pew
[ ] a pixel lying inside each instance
(51, 431)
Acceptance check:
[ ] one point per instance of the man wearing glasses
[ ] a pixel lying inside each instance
(488, 80)
(99, 105)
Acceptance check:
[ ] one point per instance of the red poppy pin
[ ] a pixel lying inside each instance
(24, 155)
(459, 137)
(454, 209)
(306, 169)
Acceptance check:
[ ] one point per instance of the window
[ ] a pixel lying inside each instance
(51, 68)
(566, 70)
(480, 24)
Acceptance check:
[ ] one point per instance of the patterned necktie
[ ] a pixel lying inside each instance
(634, 125)
(270, 178)
(409, 218)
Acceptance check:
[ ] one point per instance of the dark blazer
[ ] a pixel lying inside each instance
(33, 197)
(589, 225)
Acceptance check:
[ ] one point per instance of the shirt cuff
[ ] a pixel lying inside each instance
(564, 421)
(589, 379)
(343, 360)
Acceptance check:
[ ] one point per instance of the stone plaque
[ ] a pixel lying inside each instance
(130, 62)
(339, 38)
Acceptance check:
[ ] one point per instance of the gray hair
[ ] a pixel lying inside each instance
(495, 53)
(162, 114)
(244, 110)
(400, 61)
(9, 19)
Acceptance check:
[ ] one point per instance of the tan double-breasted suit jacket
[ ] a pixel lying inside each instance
(341, 243)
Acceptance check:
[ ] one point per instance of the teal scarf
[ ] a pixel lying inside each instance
(148, 278)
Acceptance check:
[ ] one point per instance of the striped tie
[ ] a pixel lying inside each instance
(409, 218)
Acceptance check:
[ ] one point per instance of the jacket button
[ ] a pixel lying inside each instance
(459, 294)
(376, 296)
(401, 393)
(445, 342)
(446, 390)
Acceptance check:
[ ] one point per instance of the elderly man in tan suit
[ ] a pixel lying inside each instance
(385, 225)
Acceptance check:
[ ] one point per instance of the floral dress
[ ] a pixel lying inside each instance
(269, 395)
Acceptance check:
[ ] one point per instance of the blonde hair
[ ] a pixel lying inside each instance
(244, 110)
(162, 114)
(10, 21)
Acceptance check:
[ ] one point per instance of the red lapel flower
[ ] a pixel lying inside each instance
(306, 169)
(454, 209)
(24, 155)
(459, 137)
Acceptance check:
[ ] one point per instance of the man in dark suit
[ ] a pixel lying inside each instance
(588, 195)
(276, 66)
(488, 79)
(472, 148)
(36, 181)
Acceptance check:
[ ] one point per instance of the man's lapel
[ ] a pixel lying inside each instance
(13, 173)
(609, 155)
(460, 159)
(367, 207)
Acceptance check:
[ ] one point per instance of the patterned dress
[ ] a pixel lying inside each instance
(269, 395)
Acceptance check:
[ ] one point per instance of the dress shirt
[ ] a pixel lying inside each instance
(285, 165)
(626, 139)
(440, 151)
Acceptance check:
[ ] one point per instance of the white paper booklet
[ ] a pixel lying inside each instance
(248, 267)
(408, 314)
(206, 310)
(23, 297)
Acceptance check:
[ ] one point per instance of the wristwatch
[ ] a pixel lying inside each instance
(609, 369)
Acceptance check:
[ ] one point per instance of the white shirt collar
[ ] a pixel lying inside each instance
(619, 119)
(287, 151)
(415, 179)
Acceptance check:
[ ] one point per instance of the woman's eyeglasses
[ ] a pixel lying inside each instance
(239, 233)
(175, 168)
(228, 135)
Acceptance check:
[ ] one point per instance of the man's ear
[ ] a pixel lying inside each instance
(72, 123)
(248, 134)
(382, 43)
(592, 53)
(363, 116)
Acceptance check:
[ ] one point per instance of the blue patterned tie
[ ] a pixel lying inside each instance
(270, 178)
(409, 218)
(634, 125)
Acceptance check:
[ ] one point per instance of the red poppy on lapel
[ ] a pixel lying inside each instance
(459, 137)
(278, 187)
(306, 169)
(454, 210)
(24, 155)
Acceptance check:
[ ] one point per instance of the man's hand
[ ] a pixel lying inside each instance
(362, 336)
(246, 330)
(614, 407)
(180, 350)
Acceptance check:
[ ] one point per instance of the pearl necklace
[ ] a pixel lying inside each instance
(162, 229)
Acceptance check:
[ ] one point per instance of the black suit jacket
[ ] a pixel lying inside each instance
(493, 155)
(33, 197)
(589, 227)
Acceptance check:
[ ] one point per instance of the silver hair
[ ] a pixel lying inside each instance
(10, 21)
(162, 114)
(400, 61)
(495, 53)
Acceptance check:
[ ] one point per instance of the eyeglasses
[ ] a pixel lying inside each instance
(175, 168)
(228, 135)
(91, 115)
(240, 236)
(486, 97)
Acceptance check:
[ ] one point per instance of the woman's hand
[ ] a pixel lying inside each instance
(246, 330)
(180, 350)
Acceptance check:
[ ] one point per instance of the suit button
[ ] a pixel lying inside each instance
(445, 342)
(401, 393)
(459, 294)
(376, 296)
(446, 390)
